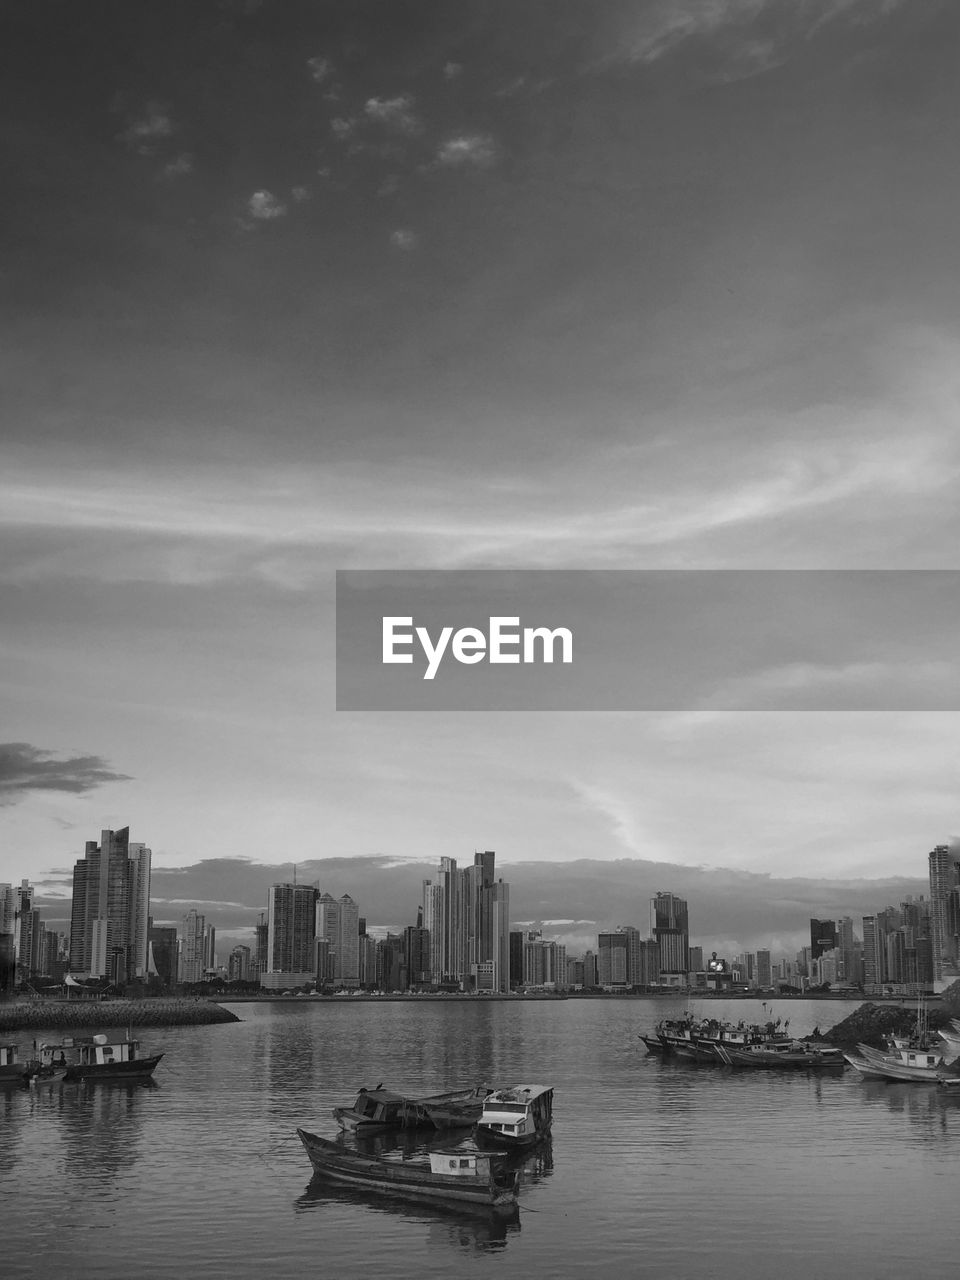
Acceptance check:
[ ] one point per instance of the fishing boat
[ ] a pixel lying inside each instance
(95, 1057)
(917, 1063)
(516, 1117)
(799, 1056)
(699, 1039)
(456, 1113)
(453, 1177)
(12, 1070)
(376, 1109)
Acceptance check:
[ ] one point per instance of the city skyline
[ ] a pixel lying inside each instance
(461, 917)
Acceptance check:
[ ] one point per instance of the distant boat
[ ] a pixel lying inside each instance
(376, 1109)
(456, 1113)
(466, 1178)
(516, 1117)
(95, 1057)
(798, 1056)
(700, 1038)
(12, 1070)
(917, 1063)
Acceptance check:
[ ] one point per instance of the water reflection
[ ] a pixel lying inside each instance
(102, 1126)
(461, 1227)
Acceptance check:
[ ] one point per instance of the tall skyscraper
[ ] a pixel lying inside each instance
(944, 879)
(291, 930)
(668, 917)
(466, 913)
(192, 958)
(823, 937)
(111, 907)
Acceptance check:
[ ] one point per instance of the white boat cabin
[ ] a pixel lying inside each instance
(519, 1112)
(457, 1164)
(92, 1051)
(9, 1055)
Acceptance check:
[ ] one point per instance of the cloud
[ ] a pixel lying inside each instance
(342, 127)
(404, 239)
(452, 70)
(321, 69)
(179, 166)
(145, 131)
(394, 113)
(477, 149)
(265, 207)
(26, 768)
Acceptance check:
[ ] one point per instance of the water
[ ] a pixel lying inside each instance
(653, 1164)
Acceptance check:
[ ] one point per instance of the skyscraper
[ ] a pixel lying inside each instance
(944, 878)
(192, 940)
(111, 908)
(668, 917)
(291, 930)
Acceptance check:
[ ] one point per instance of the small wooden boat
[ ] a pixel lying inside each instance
(12, 1070)
(96, 1058)
(376, 1109)
(456, 1113)
(467, 1178)
(798, 1057)
(516, 1117)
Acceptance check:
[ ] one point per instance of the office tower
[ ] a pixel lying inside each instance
(291, 929)
(442, 917)
(516, 958)
(764, 971)
(193, 933)
(111, 898)
(499, 905)
(612, 958)
(872, 961)
(944, 878)
(238, 966)
(140, 858)
(162, 954)
(823, 937)
(416, 954)
(668, 915)
(346, 965)
(8, 908)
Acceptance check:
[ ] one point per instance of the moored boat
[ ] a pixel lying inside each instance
(700, 1039)
(11, 1068)
(462, 1178)
(377, 1109)
(95, 1057)
(456, 1112)
(917, 1063)
(516, 1117)
(796, 1057)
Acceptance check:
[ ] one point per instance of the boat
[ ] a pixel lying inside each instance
(699, 1039)
(12, 1070)
(380, 1108)
(456, 1113)
(95, 1057)
(923, 1064)
(516, 1117)
(799, 1056)
(452, 1177)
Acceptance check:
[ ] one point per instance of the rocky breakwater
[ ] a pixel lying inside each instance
(47, 1015)
(872, 1023)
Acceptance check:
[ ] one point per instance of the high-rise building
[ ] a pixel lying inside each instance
(111, 907)
(944, 879)
(466, 913)
(291, 930)
(192, 947)
(823, 937)
(668, 916)
(162, 954)
(612, 959)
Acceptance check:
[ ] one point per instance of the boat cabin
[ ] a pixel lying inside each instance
(9, 1055)
(92, 1051)
(458, 1164)
(518, 1114)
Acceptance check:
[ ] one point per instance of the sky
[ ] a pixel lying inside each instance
(297, 287)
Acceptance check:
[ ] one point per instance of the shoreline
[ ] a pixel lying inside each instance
(44, 1015)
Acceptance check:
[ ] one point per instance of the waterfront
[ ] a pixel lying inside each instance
(652, 1166)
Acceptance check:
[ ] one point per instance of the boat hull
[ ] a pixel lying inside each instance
(413, 1182)
(138, 1069)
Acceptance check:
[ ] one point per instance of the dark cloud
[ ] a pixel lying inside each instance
(727, 908)
(26, 768)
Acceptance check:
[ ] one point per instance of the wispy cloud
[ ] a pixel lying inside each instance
(145, 131)
(25, 768)
(321, 69)
(265, 207)
(478, 150)
(179, 166)
(404, 239)
(394, 113)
